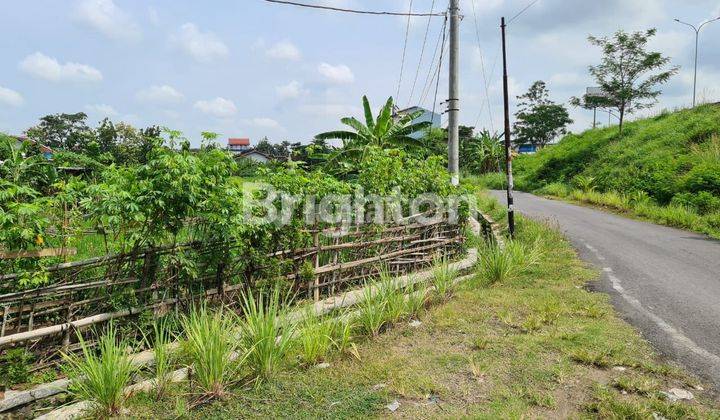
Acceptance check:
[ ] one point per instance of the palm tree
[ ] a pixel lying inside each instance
(386, 131)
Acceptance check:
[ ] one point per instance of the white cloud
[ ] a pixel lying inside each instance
(48, 68)
(292, 90)
(105, 17)
(566, 79)
(284, 50)
(336, 74)
(153, 16)
(330, 110)
(103, 110)
(218, 107)
(202, 46)
(160, 95)
(264, 122)
(10, 97)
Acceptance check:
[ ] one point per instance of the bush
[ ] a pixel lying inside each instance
(14, 367)
(703, 202)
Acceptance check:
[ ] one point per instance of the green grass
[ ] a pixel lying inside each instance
(671, 161)
(537, 345)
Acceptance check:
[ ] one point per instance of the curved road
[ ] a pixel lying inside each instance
(664, 281)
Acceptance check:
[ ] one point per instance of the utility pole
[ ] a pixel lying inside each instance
(697, 36)
(454, 92)
(508, 153)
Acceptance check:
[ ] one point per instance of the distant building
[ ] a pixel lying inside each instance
(527, 149)
(238, 145)
(425, 115)
(46, 151)
(256, 156)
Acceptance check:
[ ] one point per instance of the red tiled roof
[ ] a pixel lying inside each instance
(238, 142)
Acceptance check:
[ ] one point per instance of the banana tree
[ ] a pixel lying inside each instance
(386, 131)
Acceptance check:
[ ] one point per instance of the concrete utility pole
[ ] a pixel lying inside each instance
(454, 92)
(697, 36)
(508, 153)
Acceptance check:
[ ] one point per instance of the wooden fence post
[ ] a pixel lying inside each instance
(316, 265)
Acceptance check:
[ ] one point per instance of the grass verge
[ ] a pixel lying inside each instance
(534, 344)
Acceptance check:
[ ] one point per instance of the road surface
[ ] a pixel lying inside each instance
(664, 281)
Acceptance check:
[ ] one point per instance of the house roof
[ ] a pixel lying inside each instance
(238, 142)
(43, 148)
(255, 152)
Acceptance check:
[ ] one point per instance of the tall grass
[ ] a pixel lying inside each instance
(370, 315)
(160, 344)
(101, 376)
(443, 279)
(211, 346)
(266, 336)
(500, 264)
(315, 338)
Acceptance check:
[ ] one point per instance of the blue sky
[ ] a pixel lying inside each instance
(248, 68)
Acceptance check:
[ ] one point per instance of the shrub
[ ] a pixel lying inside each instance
(14, 367)
(101, 377)
(211, 345)
(703, 202)
(266, 335)
(585, 183)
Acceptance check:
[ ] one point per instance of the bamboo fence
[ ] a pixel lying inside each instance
(91, 292)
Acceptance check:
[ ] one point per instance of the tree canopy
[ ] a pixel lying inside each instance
(539, 120)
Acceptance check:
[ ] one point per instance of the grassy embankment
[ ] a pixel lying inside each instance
(664, 169)
(534, 344)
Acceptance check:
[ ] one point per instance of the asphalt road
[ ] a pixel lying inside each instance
(664, 281)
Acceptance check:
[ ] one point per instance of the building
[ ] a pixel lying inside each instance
(46, 151)
(527, 149)
(238, 145)
(425, 115)
(254, 155)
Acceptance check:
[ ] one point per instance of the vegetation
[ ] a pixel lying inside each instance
(211, 346)
(383, 131)
(265, 334)
(628, 74)
(101, 376)
(538, 119)
(535, 345)
(664, 169)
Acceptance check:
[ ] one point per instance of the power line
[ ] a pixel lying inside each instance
(402, 62)
(434, 68)
(437, 82)
(482, 67)
(363, 12)
(431, 69)
(522, 11)
(422, 54)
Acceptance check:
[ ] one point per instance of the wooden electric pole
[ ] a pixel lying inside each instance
(508, 152)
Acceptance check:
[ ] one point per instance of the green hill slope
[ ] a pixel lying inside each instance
(669, 162)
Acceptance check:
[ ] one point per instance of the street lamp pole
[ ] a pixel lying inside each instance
(697, 36)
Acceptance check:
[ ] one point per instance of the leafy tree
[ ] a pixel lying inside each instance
(628, 74)
(538, 119)
(384, 131)
(133, 145)
(106, 136)
(63, 131)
